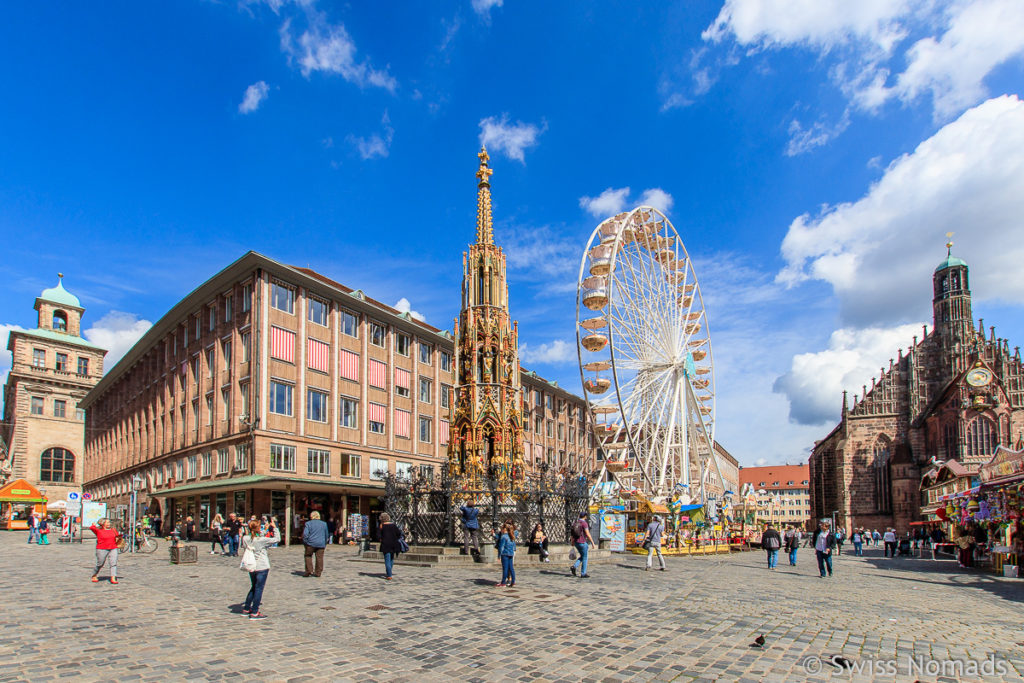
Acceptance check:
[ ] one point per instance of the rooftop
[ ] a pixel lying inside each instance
(59, 295)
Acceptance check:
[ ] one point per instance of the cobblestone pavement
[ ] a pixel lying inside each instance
(695, 621)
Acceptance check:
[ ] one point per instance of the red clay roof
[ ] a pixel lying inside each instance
(797, 474)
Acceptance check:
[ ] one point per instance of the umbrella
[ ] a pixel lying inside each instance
(57, 505)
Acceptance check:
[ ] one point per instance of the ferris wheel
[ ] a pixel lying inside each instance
(645, 355)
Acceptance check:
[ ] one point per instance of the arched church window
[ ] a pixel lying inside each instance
(949, 441)
(945, 283)
(57, 465)
(982, 437)
(883, 491)
(60, 321)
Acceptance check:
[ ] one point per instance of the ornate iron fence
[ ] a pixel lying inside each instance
(427, 508)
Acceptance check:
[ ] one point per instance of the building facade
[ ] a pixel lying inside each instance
(53, 368)
(786, 497)
(955, 394)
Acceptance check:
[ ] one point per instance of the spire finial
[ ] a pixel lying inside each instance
(949, 244)
(484, 229)
(60, 276)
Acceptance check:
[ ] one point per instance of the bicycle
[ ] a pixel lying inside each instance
(144, 543)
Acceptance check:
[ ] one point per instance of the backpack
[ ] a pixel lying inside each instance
(772, 542)
(577, 530)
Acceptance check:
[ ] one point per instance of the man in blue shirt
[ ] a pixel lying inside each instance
(314, 537)
(470, 528)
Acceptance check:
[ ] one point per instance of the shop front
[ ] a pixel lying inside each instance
(18, 500)
(289, 501)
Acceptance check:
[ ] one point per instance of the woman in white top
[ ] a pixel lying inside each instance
(215, 534)
(258, 567)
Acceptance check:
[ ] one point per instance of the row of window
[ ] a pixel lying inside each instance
(317, 400)
(37, 406)
(788, 483)
(227, 306)
(62, 362)
(318, 462)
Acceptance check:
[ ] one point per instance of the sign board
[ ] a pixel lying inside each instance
(74, 508)
(86, 496)
(91, 512)
(73, 495)
(613, 528)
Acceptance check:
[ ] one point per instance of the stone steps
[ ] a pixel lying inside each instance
(452, 557)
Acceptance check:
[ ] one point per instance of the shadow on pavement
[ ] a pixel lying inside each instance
(947, 572)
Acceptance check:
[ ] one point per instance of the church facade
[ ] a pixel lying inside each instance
(953, 396)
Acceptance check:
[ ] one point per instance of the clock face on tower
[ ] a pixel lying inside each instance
(979, 377)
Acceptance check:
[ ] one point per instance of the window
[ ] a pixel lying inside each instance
(316, 406)
(282, 457)
(83, 367)
(982, 437)
(246, 346)
(425, 389)
(199, 325)
(561, 431)
(446, 361)
(425, 351)
(350, 465)
(60, 321)
(538, 422)
(402, 380)
(549, 402)
(349, 324)
(79, 414)
(212, 318)
(318, 461)
(547, 428)
(209, 410)
(242, 456)
(227, 308)
(282, 297)
(427, 472)
(378, 468)
(446, 396)
(243, 389)
(403, 418)
(317, 311)
(209, 362)
(402, 344)
(349, 365)
(179, 470)
(207, 464)
(348, 411)
(246, 298)
(57, 465)
(376, 418)
(377, 334)
(526, 421)
(425, 429)
(403, 470)
(883, 493)
(536, 398)
(36, 406)
(281, 398)
(378, 374)
(192, 461)
(62, 362)
(60, 408)
(223, 460)
(225, 350)
(225, 403)
(38, 358)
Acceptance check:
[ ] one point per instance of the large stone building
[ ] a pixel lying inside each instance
(787, 496)
(53, 368)
(272, 388)
(955, 394)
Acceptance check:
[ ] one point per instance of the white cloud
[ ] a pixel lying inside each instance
(803, 140)
(403, 306)
(556, 352)
(483, 8)
(329, 48)
(815, 381)
(658, 198)
(945, 49)
(608, 203)
(254, 96)
(375, 145)
(613, 201)
(875, 252)
(116, 332)
(512, 139)
(761, 462)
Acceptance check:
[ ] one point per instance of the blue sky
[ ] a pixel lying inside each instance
(812, 155)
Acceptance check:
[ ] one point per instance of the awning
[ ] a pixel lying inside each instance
(1004, 464)
(263, 481)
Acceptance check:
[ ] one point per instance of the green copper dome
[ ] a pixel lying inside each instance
(950, 262)
(59, 295)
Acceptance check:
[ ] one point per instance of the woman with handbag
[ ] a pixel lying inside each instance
(391, 541)
(106, 548)
(215, 534)
(257, 563)
(539, 543)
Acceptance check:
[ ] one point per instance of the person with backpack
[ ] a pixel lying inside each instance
(771, 542)
(390, 542)
(506, 545)
(858, 542)
(652, 541)
(470, 527)
(256, 561)
(582, 541)
(792, 543)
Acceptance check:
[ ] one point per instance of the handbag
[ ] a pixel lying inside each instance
(572, 555)
(646, 545)
(248, 563)
(403, 546)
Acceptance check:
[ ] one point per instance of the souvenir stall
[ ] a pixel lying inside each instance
(18, 500)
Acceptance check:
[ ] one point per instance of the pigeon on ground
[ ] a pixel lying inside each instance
(758, 642)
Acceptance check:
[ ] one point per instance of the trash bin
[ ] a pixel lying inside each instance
(184, 554)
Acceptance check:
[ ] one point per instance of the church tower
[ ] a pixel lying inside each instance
(487, 430)
(951, 304)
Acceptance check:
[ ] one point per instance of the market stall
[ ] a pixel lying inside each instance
(18, 500)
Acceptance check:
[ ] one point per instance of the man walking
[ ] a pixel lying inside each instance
(824, 541)
(890, 543)
(234, 527)
(314, 537)
(33, 528)
(582, 540)
(653, 541)
(771, 542)
(470, 527)
(858, 542)
(792, 539)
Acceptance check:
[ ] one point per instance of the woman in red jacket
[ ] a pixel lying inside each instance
(106, 547)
